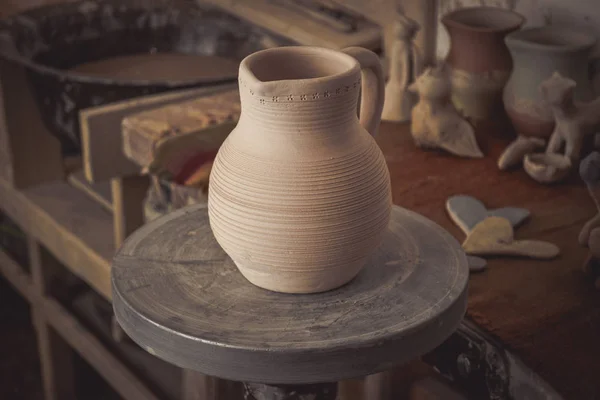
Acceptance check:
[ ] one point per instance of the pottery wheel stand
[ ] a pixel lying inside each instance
(179, 296)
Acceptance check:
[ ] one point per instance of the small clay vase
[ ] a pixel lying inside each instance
(538, 53)
(300, 192)
(479, 61)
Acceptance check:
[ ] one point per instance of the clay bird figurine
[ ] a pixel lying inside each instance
(435, 121)
(405, 65)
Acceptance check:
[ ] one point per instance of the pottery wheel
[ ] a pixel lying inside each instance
(179, 296)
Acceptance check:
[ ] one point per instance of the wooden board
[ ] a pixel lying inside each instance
(143, 133)
(102, 142)
(29, 154)
(128, 194)
(56, 357)
(78, 231)
(297, 25)
(181, 298)
(99, 192)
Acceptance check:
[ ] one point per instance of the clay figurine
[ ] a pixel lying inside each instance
(467, 212)
(574, 120)
(405, 66)
(435, 121)
(589, 236)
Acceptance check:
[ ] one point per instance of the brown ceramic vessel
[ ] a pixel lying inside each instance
(478, 59)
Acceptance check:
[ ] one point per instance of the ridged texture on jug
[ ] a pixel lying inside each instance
(297, 228)
(300, 192)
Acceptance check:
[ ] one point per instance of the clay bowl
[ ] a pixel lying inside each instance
(50, 40)
(547, 168)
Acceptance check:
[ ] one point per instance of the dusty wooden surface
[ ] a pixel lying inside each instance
(530, 305)
(173, 284)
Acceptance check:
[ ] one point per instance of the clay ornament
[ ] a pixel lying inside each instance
(467, 212)
(435, 122)
(547, 168)
(477, 264)
(494, 236)
(589, 237)
(300, 193)
(405, 66)
(514, 154)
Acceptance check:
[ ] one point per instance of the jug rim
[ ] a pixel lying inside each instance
(450, 19)
(348, 68)
(565, 38)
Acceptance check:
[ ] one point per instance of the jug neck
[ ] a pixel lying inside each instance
(299, 87)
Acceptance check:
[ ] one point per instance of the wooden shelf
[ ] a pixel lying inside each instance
(73, 227)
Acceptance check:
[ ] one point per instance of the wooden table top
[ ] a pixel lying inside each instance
(546, 312)
(180, 297)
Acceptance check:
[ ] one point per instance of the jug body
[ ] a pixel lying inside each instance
(299, 191)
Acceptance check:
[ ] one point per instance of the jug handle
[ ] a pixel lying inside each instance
(372, 88)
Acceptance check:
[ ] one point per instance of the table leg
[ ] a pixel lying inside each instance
(260, 391)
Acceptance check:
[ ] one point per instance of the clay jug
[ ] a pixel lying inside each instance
(299, 191)
(537, 54)
(478, 60)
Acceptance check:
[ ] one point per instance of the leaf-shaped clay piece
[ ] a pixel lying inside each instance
(467, 212)
(476, 264)
(459, 139)
(494, 236)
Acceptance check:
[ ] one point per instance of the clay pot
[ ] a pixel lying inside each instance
(538, 53)
(300, 192)
(478, 60)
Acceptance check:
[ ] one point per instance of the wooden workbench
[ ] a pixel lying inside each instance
(545, 312)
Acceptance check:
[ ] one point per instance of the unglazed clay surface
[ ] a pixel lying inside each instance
(435, 122)
(538, 53)
(494, 236)
(573, 120)
(547, 167)
(300, 192)
(479, 61)
(467, 212)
